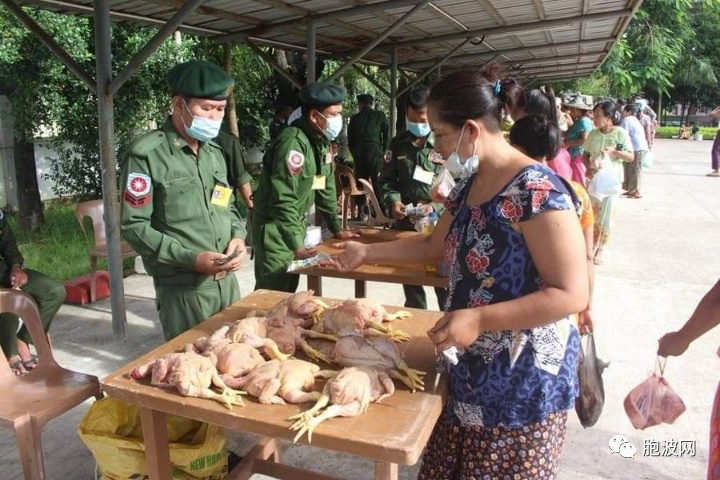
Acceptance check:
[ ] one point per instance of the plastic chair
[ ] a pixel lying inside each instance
(96, 211)
(28, 402)
(346, 193)
(377, 217)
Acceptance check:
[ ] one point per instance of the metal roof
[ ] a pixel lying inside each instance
(536, 38)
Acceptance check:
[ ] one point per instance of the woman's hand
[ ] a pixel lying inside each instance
(585, 322)
(459, 328)
(353, 255)
(347, 234)
(672, 344)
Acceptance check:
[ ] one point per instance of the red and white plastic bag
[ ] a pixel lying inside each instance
(653, 401)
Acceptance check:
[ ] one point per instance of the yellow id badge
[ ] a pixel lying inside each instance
(221, 196)
(318, 182)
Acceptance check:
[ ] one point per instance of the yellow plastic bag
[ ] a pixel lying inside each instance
(112, 430)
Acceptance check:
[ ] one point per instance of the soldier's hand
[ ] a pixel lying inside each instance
(303, 253)
(235, 263)
(205, 263)
(18, 277)
(398, 211)
(347, 234)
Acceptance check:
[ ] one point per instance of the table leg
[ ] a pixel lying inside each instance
(360, 289)
(157, 449)
(386, 471)
(315, 284)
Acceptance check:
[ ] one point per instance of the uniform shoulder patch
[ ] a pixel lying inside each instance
(147, 143)
(137, 191)
(295, 162)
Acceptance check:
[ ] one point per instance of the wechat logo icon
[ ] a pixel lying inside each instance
(620, 444)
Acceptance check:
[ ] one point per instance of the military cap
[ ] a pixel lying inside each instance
(322, 93)
(365, 97)
(200, 79)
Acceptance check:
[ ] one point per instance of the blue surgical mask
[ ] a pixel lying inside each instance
(462, 168)
(334, 126)
(202, 129)
(420, 130)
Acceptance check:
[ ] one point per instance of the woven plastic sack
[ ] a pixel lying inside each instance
(653, 402)
(442, 186)
(589, 403)
(112, 430)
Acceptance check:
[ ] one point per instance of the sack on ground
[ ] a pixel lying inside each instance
(589, 403)
(112, 430)
(653, 402)
(442, 186)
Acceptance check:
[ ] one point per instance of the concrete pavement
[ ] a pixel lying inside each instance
(660, 262)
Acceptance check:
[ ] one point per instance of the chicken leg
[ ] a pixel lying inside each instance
(312, 353)
(269, 346)
(227, 396)
(375, 330)
(308, 423)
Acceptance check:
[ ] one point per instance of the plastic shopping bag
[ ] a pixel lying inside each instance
(605, 182)
(589, 404)
(647, 160)
(112, 430)
(653, 402)
(442, 186)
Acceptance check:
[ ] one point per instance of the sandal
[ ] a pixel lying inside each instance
(16, 365)
(31, 363)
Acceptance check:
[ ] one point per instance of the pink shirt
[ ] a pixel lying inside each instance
(561, 164)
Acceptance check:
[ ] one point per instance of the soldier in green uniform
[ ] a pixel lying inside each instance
(408, 172)
(297, 169)
(367, 140)
(178, 211)
(49, 294)
(238, 177)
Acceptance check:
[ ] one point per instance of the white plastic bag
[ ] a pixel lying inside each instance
(605, 182)
(647, 160)
(442, 186)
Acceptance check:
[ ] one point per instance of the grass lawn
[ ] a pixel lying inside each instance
(59, 249)
(669, 132)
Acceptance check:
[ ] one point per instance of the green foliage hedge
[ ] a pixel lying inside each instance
(669, 132)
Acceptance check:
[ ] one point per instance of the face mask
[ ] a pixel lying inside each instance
(202, 129)
(334, 126)
(418, 129)
(462, 168)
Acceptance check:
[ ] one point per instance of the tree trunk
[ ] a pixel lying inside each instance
(232, 113)
(29, 204)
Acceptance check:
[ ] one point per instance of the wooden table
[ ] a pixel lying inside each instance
(387, 273)
(390, 433)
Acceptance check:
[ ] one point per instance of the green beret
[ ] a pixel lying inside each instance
(364, 97)
(322, 93)
(200, 79)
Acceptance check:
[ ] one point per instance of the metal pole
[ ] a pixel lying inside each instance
(378, 40)
(393, 92)
(170, 26)
(232, 114)
(74, 67)
(103, 52)
(311, 55)
(437, 65)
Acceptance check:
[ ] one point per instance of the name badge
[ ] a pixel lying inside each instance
(221, 196)
(423, 176)
(318, 182)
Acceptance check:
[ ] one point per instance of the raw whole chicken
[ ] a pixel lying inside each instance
(253, 331)
(233, 359)
(191, 375)
(289, 337)
(359, 317)
(380, 353)
(349, 394)
(301, 308)
(279, 382)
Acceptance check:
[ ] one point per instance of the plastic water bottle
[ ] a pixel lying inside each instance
(428, 228)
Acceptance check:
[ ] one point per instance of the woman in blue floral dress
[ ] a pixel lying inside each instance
(517, 272)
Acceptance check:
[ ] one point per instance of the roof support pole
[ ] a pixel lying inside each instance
(231, 112)
(370, 79)
(273, 64)
(311, 52)
(393, 92)
(74, 67)
(165, 31)
(437, 65)
(378, 40)
(106, 120)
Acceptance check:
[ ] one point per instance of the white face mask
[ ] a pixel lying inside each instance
(462, 168)
(334, 126)
(202, 129)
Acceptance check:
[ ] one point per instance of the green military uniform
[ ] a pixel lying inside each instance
(171, 212)
(284, 196)
(234, 158)
(396, 182)
(367, 140)
(47, 293)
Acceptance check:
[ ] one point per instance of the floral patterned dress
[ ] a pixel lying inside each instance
(510, 387)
